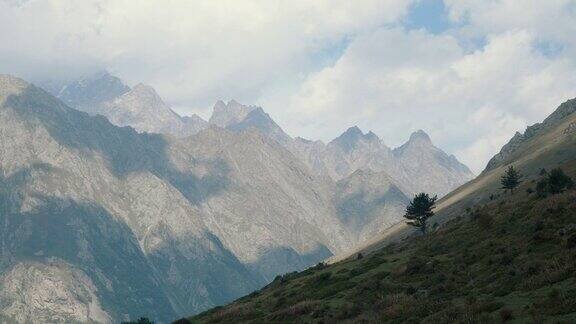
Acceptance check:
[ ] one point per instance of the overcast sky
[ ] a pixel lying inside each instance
(468, 72)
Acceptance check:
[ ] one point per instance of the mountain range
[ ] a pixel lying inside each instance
(417, 165)
(114, 206)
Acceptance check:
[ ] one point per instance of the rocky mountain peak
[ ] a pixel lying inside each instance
(352, 136)
(224, 115)
(88, 93)
(146, 94)
(11, 85)
(421, 137)
(353, 131)
(372, 137)
(144, 89)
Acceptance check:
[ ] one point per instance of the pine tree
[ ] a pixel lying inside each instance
(511, 179)
(420, 210)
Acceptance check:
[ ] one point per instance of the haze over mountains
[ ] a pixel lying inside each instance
(416, 166)
(100, 221)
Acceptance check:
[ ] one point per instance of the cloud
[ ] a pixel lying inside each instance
(192, 51)
(394, 81)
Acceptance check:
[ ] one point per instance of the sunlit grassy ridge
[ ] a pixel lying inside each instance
(513, 258)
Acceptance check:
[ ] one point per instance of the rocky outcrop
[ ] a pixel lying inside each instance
(52, 291)
(507, 152)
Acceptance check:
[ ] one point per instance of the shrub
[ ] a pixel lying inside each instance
(506, 314)
(484, 220)
(141, 320)
(571, 242)
(555, 182)
(491, 306)
(322, 278)
(554, 294)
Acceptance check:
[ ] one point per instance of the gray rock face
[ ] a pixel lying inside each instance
(50, 292)
(122, 224)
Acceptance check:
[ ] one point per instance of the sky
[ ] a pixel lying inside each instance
(469, 72)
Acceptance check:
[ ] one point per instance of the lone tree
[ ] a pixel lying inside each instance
(420, 210)
(511, 179)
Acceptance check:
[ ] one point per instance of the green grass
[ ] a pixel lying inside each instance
(507, 260)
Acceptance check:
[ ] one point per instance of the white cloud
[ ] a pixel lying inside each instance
(192, 51)
(551, 20)
(394, 81)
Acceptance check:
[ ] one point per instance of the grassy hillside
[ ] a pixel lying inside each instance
(510, 259)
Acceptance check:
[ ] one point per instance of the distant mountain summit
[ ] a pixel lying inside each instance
(89, 93)
(237, 117)
(428, 168)
(225, 115)
(143, 109)
(140, 107)
(352, 138)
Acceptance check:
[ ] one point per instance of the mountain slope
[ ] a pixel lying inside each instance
(368, 202)
(149, 225)
(106, 203)
(417, 165)
(493, 256)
